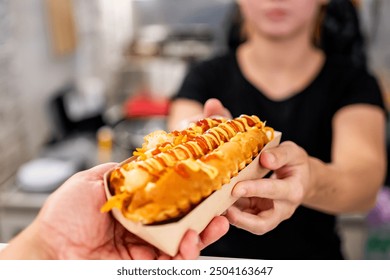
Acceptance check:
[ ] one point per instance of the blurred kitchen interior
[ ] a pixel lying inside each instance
(81, 82)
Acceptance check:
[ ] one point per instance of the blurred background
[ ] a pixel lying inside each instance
(81, 82)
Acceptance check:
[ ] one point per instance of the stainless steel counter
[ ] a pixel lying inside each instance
(17, 210)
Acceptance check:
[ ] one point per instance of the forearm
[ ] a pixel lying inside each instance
(28, 245)
(339, 189)
(351, 181)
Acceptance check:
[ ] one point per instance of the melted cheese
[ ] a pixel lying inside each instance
(196, 148)
(196, 165)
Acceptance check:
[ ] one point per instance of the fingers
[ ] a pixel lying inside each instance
(264, 203)
(215, 230)
(189, 246)
(142, 252)
(287, 153)
(189, 249)
(102, 168)
(214, 107)
(259, 224)
(192, 243)
(268, 188)
(98, 171)
(184, 124)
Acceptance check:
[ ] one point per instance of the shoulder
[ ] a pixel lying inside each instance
(351, 84)
(215, 63)
(343, 73)
(344, 68)
(339, 61)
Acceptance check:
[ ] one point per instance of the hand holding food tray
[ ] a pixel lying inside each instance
(182, 179)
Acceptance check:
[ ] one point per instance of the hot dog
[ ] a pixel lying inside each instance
(173, 172)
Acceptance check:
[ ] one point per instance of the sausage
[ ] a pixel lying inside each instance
(173, 172)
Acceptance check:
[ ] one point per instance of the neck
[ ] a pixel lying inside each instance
(279, 55)
(279, 68)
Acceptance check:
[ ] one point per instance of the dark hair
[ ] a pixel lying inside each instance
(337, 31)
(235, 33)
(341, 32)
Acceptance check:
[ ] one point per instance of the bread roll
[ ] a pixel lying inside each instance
(173, 172)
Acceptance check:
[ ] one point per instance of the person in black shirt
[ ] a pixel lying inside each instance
(331, 114)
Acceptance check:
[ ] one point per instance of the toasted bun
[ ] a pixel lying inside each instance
(173, 172)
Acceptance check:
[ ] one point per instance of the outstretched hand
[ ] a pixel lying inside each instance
(71, 226)
(212, 108)
(265, 203)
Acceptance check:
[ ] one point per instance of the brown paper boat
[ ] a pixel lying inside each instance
(167, 237)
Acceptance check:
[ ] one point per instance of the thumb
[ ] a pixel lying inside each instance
(100, 169)
(214, 107)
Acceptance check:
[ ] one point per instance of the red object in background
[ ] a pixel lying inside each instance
(143, 106)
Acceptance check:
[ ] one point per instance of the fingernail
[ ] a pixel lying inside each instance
(271, 157)
(239, 192)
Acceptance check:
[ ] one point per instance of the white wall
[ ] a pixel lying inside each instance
(30, 73)
(38, 73)
(376, 27)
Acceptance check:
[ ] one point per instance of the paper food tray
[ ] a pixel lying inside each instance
(167, 237)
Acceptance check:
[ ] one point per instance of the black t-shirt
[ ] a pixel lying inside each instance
(304, 118)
